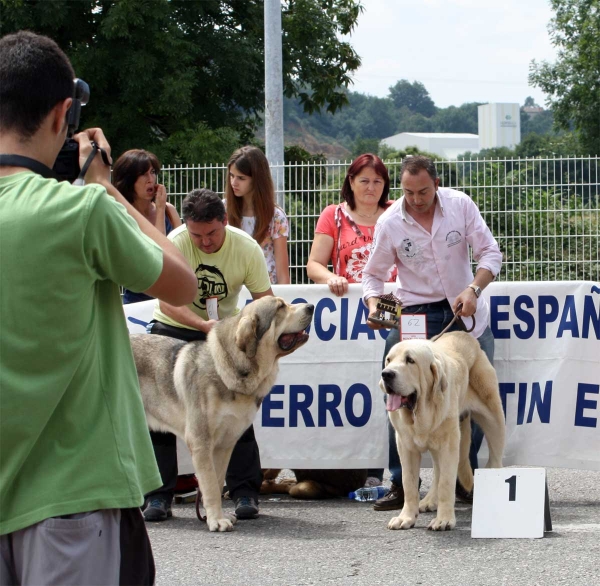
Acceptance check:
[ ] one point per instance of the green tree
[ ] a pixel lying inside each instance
(573, 82)
(414, 96)
(163, 72)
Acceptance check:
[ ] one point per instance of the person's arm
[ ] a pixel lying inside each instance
(485, 251)
(468, 298)
(316, 267)
(282, 260)
(185, 316)
(267, 293)
(173, 215)
(177, 283)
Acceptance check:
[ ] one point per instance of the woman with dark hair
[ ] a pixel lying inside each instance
(250, 202)
(134, 175)
(344, 231)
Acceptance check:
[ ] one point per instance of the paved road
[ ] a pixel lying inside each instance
(347, 543)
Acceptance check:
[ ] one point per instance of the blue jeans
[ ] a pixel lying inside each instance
(438, 316)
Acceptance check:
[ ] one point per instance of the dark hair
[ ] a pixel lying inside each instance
(35, 76)
(202, 205)
(366, 160)
(251, 161)
(415, 164)
(129, 167)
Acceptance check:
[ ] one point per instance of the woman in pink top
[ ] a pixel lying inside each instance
(344, 232)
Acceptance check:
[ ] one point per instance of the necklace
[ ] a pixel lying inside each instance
(370, 217)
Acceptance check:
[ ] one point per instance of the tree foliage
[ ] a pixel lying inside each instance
(413, 96)
(165, 74)
(573, 82)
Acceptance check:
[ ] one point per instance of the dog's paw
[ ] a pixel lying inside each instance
(439, 524)
(428, 504)
(401, 522)
(224, 523)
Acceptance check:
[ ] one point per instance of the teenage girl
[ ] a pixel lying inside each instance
(250, 201)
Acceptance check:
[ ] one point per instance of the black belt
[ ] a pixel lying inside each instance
(444, 303)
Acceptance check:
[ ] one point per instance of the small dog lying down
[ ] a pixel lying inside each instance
(314, 484)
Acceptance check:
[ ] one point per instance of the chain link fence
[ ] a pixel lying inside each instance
(544, 213)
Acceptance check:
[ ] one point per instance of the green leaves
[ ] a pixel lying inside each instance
(183, 68)
(573, 82)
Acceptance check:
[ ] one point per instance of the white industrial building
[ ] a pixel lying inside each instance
(446, 144)
(499, 125)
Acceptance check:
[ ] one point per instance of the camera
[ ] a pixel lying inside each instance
(66, 166)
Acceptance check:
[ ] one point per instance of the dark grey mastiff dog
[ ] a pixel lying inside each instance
(208, 393)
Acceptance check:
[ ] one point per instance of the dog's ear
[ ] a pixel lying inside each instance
(245, 335)
(265, 316)
(440, 383)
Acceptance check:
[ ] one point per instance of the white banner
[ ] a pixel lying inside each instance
(327, 411)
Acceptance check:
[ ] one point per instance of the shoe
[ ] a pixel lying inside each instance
(372, 481)
(157, 510)
(246, 507)
(462, 495)
(392, 500)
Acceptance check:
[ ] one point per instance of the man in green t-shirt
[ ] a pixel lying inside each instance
(75, 454)
(224, 259)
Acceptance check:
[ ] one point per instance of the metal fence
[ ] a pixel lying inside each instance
(545, 213)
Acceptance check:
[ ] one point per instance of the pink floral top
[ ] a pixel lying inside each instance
(352, 243)
(278, 228)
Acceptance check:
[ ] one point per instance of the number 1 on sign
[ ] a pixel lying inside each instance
(512, 488)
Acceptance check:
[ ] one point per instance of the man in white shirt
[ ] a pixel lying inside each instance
(427, 235)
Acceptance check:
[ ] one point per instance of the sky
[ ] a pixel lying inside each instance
(461, 50)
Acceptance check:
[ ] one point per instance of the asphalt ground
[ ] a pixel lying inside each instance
(347, 543)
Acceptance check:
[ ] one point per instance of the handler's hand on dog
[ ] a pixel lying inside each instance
(338, 285)
(209, 325)
(469, 303)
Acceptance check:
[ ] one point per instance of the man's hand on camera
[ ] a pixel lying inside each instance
(97, 172)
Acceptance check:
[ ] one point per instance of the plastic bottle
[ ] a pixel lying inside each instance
(369, 494)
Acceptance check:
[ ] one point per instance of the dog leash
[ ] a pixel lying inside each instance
(459, 321)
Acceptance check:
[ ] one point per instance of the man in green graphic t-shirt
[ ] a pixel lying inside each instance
(224, 259)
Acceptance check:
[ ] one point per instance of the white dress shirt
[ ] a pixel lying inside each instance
(433, 266)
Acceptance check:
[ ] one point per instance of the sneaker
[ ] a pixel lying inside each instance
(246, 507)
(157, 510)
(372, 481)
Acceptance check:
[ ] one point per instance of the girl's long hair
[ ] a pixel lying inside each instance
(252, 162)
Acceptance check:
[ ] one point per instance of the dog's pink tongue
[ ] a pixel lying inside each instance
(393, 402)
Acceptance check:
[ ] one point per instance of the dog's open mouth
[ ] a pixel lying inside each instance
(395, 401)
(289, 341)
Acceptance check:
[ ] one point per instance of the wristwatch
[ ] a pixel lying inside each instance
(476, 289)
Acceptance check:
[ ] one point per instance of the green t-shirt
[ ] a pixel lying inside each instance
(73, 435)
(240, 261)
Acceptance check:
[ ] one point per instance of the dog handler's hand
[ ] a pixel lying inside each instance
(372, 311)
(469, 303)
(338, 285)
(97, 172)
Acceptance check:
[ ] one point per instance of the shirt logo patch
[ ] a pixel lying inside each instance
(453, 238)
(211, 283)
(408, 248)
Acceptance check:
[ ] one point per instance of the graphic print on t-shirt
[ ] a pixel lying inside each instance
(211, 283)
